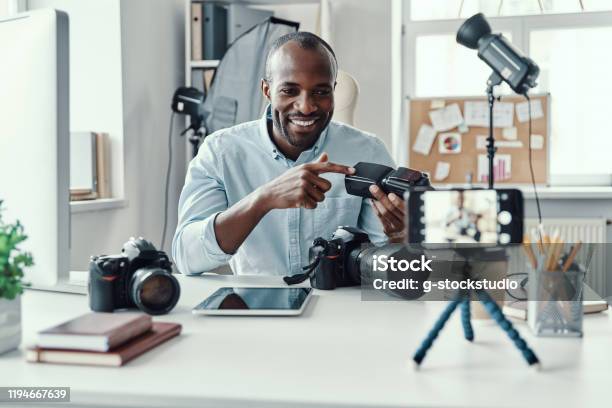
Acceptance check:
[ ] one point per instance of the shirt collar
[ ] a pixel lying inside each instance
(271, 148)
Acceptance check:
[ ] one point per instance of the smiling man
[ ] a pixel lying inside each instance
(259, 193)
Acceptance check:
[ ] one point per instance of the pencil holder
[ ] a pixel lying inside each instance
(555, 301)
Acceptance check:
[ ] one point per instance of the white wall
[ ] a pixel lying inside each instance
(127, 58)
(361, 34)
(95, 72)
(153, 67)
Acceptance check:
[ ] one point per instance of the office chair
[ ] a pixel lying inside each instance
(346, 95)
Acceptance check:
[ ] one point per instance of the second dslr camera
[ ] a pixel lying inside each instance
(141, 276)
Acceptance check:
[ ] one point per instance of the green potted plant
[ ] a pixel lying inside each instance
(12, 262)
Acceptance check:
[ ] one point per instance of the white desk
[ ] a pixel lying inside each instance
(342, 352)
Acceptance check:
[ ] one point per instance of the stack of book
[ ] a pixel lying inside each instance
(106, 339)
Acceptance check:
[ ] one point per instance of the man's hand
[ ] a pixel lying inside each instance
(301, 186)
(390, 209)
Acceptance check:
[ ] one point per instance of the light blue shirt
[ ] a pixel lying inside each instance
(232, 163)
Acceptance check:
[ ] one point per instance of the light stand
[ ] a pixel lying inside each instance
(194, 138)
(492, 82)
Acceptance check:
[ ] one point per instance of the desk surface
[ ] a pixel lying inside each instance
(341, 352)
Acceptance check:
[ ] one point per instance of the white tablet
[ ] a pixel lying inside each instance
(255, 301)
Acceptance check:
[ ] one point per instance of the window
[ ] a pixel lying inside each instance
(576, 76)
(440, 67)
(450, 9)
(571, 49)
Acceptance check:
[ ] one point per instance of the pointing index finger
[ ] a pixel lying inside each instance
(329, 167)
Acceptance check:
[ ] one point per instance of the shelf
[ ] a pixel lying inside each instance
(97, 205)
(204, 64)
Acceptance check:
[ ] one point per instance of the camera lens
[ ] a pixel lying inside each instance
(154, 291)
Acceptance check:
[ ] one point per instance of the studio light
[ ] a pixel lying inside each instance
(507, 62)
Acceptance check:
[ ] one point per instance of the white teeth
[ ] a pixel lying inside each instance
(303, 123)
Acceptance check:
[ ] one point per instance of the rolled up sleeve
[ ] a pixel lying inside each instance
(195, 248)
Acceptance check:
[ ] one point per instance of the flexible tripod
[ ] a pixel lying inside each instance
(463, 299)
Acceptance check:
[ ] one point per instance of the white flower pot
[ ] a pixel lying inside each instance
(10, 324)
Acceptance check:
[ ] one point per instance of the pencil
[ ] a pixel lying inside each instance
(572, 255)
(557, 254)
(537, 238)
(554, 250)
(529, 252)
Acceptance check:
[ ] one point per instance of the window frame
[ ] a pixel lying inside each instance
(520, 26)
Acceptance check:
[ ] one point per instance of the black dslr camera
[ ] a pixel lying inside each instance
(389, 180)
(140, 277)
(335, 262)
(346, 259)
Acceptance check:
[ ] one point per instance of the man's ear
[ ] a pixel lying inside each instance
(265, 89)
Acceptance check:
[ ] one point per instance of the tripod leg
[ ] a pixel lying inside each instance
(419, 356)
(465, 320)
(505, 324)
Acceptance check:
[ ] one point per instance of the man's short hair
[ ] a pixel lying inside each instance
(307, 41)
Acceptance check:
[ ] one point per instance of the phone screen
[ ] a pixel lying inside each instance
(466, 217)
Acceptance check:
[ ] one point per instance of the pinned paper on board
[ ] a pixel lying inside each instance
(509, 144)
(522, 110)
(442, 171)
(437, 103)
(537, 142)
(509, 133)
(503, 114)
(449, 143)
(424, 140)
(463, 128)
(481, 142)
(477, 114)
(446, 118)
(502, 168)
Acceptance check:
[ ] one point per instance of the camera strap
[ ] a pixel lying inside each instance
(320, 245)
(301, 277)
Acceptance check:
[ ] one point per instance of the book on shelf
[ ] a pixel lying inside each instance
(196, 31)
(83, 166)
(102, 165)
(208, 31)
(95, 331)
(89, 166)
(202, 79)
(214, 31)
(118, 356)
(208, 75)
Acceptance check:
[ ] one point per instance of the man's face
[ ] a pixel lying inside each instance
(301, 93)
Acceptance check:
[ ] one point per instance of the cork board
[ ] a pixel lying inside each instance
(513, 171)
